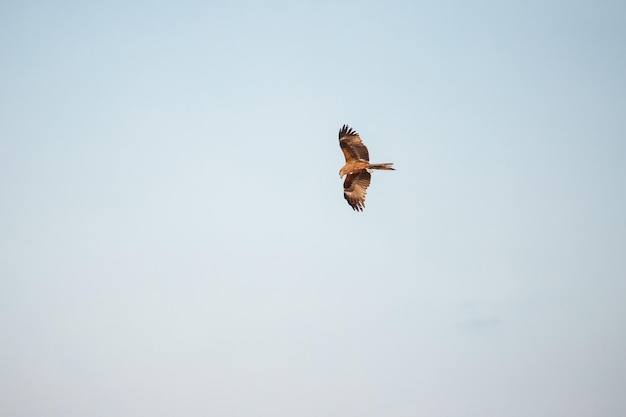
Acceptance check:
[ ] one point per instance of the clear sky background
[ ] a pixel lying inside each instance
(174, 238)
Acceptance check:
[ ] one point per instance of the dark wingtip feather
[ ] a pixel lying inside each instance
(355, 204)
(346, 131)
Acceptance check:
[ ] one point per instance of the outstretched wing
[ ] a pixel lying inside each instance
(355, 188)
(351, 145)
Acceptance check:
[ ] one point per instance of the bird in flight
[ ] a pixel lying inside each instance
(357, 168)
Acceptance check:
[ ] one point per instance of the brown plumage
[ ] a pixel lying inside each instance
(357, 168)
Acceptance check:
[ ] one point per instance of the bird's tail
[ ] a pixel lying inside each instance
(388, 166)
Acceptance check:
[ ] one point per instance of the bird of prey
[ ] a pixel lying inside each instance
(357, 168)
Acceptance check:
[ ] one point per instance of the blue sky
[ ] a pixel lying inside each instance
(174, 239)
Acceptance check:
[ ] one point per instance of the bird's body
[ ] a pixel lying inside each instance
(357, 168)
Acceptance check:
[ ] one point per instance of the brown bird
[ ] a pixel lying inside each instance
(357, 168)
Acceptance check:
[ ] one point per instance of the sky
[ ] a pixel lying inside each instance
(174, 239)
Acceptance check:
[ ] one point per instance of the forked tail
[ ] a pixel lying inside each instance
(388, 166)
